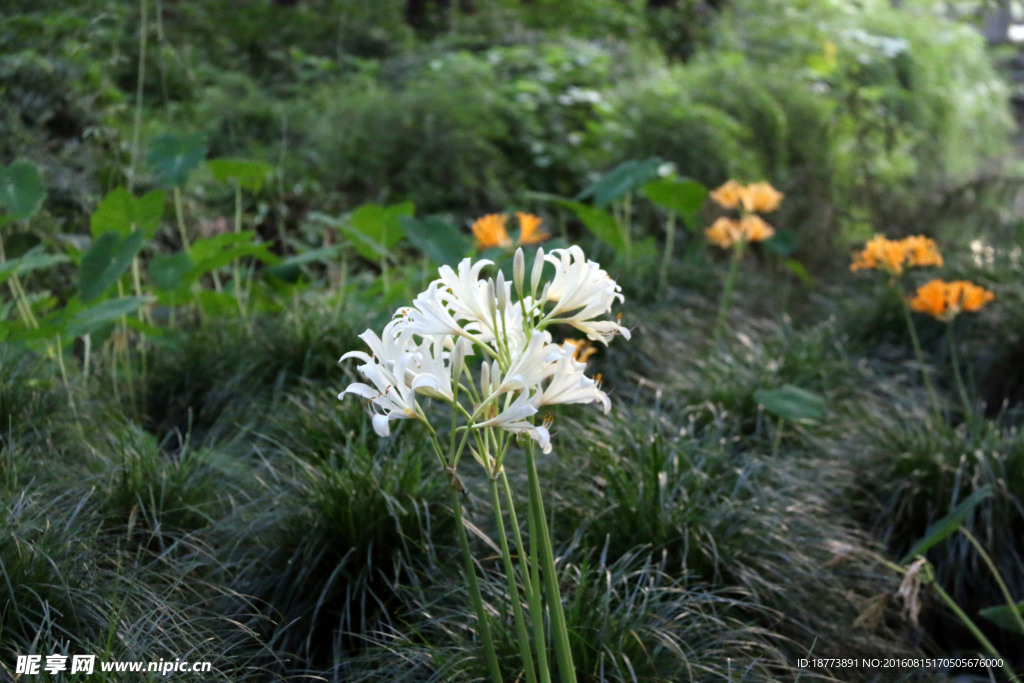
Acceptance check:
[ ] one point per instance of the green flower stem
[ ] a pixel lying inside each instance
(541, 542)
(513, 589)
(179, 212)
(18, 292)
(925, 375)
(955, 362)
(730, 284)
(483, 628)
(139, 83)
(670, 240)
(995, 573)
(531, 582)
(240, 294)
(971, 626)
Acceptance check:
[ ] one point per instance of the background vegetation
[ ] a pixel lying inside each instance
(205, 202)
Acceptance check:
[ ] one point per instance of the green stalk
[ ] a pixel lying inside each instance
(998, 577)
(925, 375)
(972, 627)
(67, 384)
(542, 543)
(179, 213)
(730, 284)
(955, 362)
(137, 124)
(513, 589)
(474, 593)
(18, 292)
(234, 265)
(670, 239)
(531, 582)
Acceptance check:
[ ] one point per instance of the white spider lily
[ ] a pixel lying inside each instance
(569, 384)
(581, 291)
(514, 419)
(390, 395)
(429, 314)
(430, 375)
(532, 362)
(426, 347)
(465, 293)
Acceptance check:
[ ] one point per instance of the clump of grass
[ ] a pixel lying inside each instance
(639, 485)
(42, 417)
(358, 525)
(916, 472)
(223, 377)
(158, 496)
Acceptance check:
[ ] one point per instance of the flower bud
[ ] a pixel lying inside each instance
(538, 270)
(519, 271)
(501, 292)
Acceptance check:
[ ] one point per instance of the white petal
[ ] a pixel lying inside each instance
(381, 425)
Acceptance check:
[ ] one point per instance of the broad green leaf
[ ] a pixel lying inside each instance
(375, 230)
(783, 242)
(35, 259)
(140, 325)
(169, 272)
(212, 253)
(107, 259)
(792, 403)
(601, 223)
(625, 178)
(288, 269)
(437, 239)
(21, 190)
(250, 175)
(948, 524)
(598, 221)
(217, 304)
(1003, 616)
(122, 213)
(108, 311)
(174, 157)
(682, 196)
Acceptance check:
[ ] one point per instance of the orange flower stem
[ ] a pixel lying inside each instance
(925, 375)
(730, 284)
(955, 362)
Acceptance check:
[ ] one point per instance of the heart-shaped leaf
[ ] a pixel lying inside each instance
(34, 259)
(625, 178)
(375, 230)
(106, 261)
(169, 272)
(288, 269)
(598, 221)
(108, 311)
(437, 239)
(174, 157)
(21, 190)
(122, 213)
(250, 175)
(682, 196)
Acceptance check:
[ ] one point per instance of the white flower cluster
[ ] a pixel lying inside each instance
(423, 350)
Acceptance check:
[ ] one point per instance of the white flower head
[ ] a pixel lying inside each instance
(388, 394)
(581, 291)
(427, 349)
(515, 419)
(569, 383)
